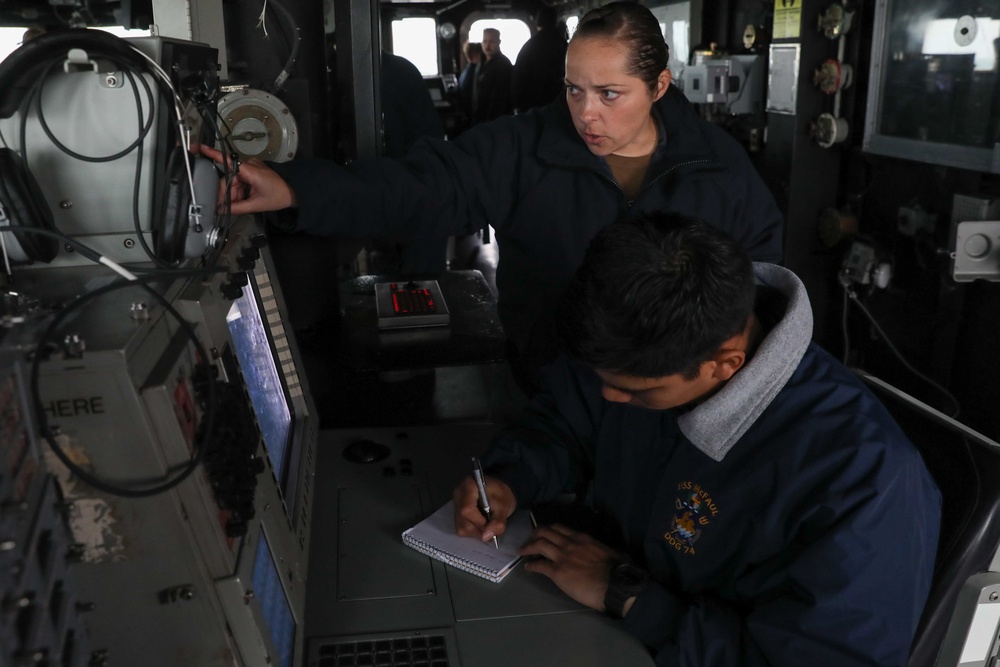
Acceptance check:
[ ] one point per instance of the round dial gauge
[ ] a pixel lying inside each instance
(258, 125)
(446, 30)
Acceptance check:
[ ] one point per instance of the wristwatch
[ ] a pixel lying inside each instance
(627, 581)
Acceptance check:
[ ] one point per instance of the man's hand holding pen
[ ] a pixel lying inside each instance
(484, 498)
(469, 519)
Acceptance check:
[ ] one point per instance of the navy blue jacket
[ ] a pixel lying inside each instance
(533, 179)
(808, 539)
(408, 111)
(538, 76)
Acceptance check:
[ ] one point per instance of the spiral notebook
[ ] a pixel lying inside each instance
(435, 536)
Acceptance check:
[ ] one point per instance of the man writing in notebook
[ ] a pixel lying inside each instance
(768, 510)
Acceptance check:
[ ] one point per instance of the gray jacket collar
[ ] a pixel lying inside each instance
(716, 425)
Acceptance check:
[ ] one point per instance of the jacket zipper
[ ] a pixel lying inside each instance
(630, 202)
(676, 166)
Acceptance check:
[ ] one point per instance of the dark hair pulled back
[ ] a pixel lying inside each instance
(635, 26)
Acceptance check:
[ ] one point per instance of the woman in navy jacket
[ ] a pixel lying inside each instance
(622, 141)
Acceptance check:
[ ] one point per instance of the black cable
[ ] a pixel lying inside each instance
(871, 182)
(899, 355)
(84, 250)
(38, 87)
(296, 39)
(229, 163)
(137, 145)
(843, 323)
(137, 181)
(208, 422)
(144, 127)
(203, 112)
(35, 94)
(95, 257)
(136, 222)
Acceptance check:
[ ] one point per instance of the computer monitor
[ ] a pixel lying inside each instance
(265, 385)
(273, 602)
(245, 320)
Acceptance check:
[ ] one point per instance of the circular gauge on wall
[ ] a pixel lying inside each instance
(258, 124)
(446, 30)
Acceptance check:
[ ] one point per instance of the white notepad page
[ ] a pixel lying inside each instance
(435, 536)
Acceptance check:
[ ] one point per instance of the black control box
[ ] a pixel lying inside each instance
(413, 303)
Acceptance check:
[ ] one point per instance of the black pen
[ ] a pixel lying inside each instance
(484, 501)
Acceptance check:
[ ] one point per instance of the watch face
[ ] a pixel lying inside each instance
(627, 581)
(629, 575)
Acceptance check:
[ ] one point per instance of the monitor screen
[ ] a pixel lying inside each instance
(264, 383)
(274, 604)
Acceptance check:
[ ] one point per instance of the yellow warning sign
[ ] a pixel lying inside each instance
(787, 19)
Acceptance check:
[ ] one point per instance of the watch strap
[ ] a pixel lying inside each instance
(626, 581)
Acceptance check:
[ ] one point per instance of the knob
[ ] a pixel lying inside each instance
(977, 246)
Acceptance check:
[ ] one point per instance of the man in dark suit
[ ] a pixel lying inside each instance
(492, 97)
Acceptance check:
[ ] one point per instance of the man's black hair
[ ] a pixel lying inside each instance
(656, 295)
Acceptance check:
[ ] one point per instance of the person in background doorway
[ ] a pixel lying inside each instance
(491, 97)
(473, 52)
